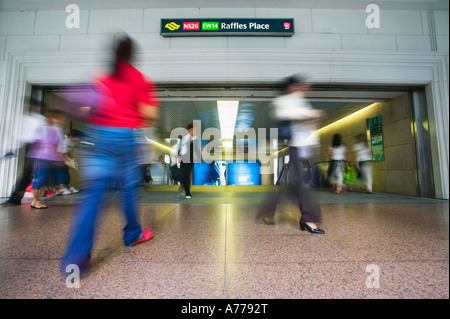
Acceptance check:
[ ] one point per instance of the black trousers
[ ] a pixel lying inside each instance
(23, 182)
(186, 169)
(309, 208)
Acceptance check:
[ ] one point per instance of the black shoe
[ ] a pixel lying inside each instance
(305, 226)
(264, 219)
(10, 203)
(268, 221)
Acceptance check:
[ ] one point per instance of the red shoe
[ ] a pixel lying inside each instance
(146, 236)
(29, 189)
(49, 193)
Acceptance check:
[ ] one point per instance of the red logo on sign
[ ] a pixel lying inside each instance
(287, 25)
(191, 25)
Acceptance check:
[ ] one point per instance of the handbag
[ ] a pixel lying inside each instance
(176, 173)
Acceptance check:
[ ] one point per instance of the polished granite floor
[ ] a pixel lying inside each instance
(377, 246)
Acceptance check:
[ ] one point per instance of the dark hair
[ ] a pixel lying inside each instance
(360, 138)
(76, 133)
(189, 126)
(123, 53)
(337, 140)
(294, 79)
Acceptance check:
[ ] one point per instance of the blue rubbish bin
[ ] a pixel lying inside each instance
(210, 173)
(244, 173)
(201, 173)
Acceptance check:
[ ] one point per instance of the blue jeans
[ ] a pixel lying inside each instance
(42, 170)
(110, 155)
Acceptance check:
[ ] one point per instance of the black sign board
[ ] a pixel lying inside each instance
(227, 27)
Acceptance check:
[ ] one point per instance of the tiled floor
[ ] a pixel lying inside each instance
(210, 247)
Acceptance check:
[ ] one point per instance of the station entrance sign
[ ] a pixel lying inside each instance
(227, 27)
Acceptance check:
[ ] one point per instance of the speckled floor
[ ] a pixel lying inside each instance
(210, 247)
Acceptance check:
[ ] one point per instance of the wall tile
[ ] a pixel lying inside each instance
(198, 43)
(314, 41)
(255, 42)
(441, 22)
(19, 43)
(401, 182)
(413, 43)
(425, 23)
(3, 68)
(226, 13)
(150, 41)
(397, 133)
(442, 43)
(368, 42)
(396, 110)
(2, 46)
(339, 21)
(87, 42)
(110, 21)
(17, 22)
(399, 22)
(54, 22)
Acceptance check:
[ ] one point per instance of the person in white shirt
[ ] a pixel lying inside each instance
(188, 151)
(363, 161)
(336, 170)
(28, 135)
(62, 170)
(293, 108)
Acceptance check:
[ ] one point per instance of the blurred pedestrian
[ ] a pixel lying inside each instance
(294, 110)
(46, 155)
(148, 153)
(185, 150)
(363, 159)
(128, 99)
(337, 154)
(63, 173)
(30, 124)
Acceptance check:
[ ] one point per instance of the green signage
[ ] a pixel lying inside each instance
(227, 27)
(210, 26)
(376, 139)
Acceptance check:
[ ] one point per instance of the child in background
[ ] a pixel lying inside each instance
(363, 160)
(46, 155)
(338, 154)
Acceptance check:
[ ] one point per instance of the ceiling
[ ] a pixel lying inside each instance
(181, 105)
(32, 5)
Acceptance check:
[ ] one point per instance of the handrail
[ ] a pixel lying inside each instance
(313, 173)
(285, 171)
(282, 173)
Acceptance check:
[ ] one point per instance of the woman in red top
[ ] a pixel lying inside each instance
(127, 101)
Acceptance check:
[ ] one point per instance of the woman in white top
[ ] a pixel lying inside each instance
(363, 160)
(294, 108)
(336, 171)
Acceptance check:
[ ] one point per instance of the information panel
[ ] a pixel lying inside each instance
(227, 27)
(376, 139)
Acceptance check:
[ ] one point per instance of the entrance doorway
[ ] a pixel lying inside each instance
(398, 106)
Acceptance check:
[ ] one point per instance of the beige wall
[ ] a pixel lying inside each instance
(397, 173)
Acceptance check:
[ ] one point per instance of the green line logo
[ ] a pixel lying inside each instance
(210, 26)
